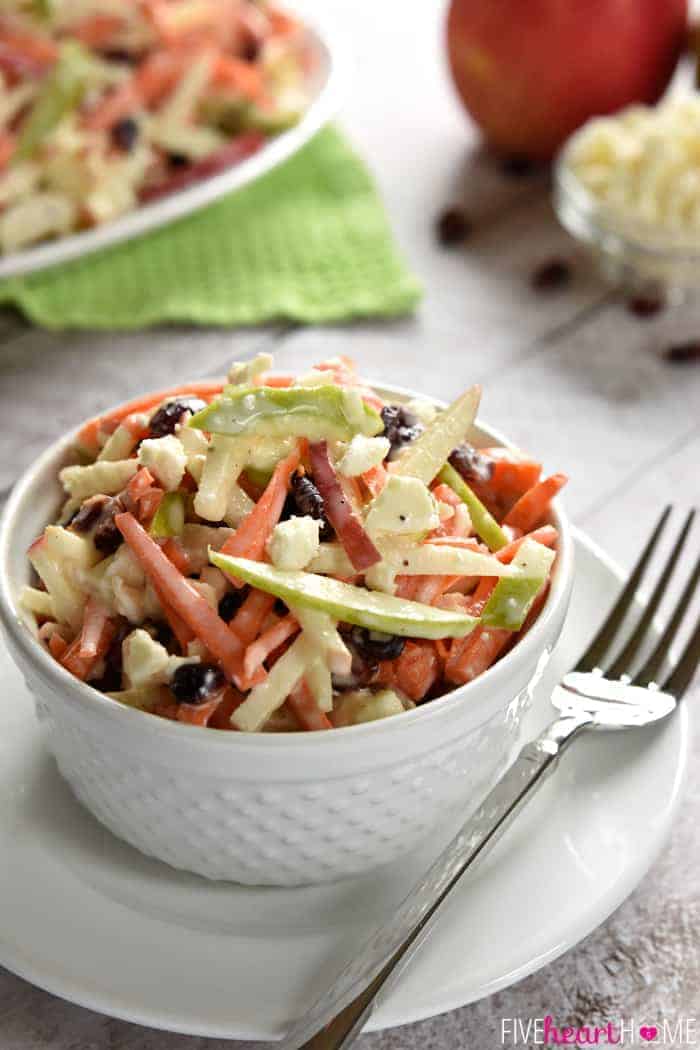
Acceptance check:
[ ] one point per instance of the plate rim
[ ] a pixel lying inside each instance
(147, 218)
(65, 987)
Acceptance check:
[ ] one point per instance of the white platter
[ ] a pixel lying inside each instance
(90, 919)
(325, 89)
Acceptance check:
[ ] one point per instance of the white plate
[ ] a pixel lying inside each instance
(94, 921)
(325, 91)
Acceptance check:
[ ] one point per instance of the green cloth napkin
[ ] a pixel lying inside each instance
(308, 242)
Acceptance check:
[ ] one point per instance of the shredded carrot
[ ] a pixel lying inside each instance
(266, 643)
(7, 148)
(273, 379)
(342, 367)
(481, 595)
(180, 629)
(467, 542)
(417, 669)
(135, 425)
(199, 714)
(248, 621)
(140, 483)
(243, 77)
(173, 549)
(57, 645)
(88, 435)
(23, 52)
(406, 586)
(249, 539)
(547, 536)
(375, 479)
(96, 646)
(430, 588)
(533, 506)
(221, 718)
(512, 474)
(481, 648)
(96, 30)
(150, 83)
(446, 494)
(442, 647)
(189, 605)
(284, 24)
(148, 504)
(305, 708)
(94, 628)
(166, 709)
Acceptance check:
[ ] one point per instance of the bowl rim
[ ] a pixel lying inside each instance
(527, 651)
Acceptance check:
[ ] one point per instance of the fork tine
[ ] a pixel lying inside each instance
(651, 668)
(679, 680)
(593, 656)
(622, 663)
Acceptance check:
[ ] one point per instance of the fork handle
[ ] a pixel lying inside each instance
(340, 1013)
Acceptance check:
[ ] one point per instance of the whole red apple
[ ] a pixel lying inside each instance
(531, 71)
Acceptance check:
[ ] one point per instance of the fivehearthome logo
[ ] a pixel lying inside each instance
(545, 1031)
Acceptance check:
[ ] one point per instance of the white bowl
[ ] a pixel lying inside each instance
(325, 90)
(283, 809)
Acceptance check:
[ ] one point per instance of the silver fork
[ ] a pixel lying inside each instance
(587, 698)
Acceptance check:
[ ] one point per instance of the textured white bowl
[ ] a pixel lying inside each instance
(261, 808)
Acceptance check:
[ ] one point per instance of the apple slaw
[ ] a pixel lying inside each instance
(285, 553)
(109, 104)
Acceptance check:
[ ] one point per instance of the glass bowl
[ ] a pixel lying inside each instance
(638, 256)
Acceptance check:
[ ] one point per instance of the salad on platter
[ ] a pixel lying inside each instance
(285, 553)
(108, 104)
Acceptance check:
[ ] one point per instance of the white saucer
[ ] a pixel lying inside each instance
(92, 920)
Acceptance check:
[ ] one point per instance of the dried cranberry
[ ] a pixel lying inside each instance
(453, 226)
(170, 414)
(231, 603)
(111, 680)
(308, 500)
(97, 515)
(400, 427)
(646, 305)
(118, 54)
(194, 683)
(470, 463)
(162, 632)
(683, 353)
(125, 134)
(518, 166)
(88, 514)
(551, 275)
(374, 646)
(107, 536)
(251, 50)
(361, 674)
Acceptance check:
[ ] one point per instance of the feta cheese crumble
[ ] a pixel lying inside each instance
(294, 543)
(165, 458)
